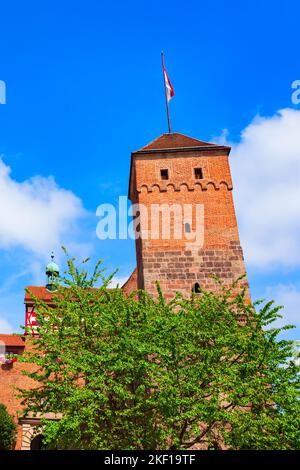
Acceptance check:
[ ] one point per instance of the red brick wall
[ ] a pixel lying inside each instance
(131, 284)
(11, 378)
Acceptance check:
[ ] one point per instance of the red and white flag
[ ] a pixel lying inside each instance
(169, 89)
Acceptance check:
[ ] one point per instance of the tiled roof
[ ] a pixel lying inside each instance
(38, 291)
(175, 140)
(42, 293)
(12, 340)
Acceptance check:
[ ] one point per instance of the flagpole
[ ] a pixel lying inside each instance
(167, 103)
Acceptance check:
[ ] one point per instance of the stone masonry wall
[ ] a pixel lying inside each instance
(180, 270)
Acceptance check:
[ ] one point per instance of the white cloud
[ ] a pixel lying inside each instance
(5, 326)
(36, 214)
(118, 281)
(266, 169)
(36, 217)
(287, 295)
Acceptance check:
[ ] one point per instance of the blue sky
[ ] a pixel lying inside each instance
(84, 89)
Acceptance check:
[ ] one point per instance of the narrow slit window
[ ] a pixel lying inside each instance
(187, 227)
(164, 174)
(196, 288)
(198, 173)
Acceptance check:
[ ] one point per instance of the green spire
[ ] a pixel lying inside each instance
(52, 272)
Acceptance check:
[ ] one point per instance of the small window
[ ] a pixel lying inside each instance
(164, 174)
(196, 288)
(187, 227)
(198, 173)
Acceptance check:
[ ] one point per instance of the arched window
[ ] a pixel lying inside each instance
(37, 442)
(187, 227)
(196, 288)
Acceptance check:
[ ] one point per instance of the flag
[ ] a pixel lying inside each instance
(169, 89)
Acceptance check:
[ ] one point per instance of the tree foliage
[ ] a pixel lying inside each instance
(7, 429)
(142, 373)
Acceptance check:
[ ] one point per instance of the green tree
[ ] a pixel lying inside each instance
(142, 373)
(7, 429)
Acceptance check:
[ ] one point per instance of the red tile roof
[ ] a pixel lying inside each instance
(41, 293)
(175, 140)
(12, 340)
(38, 291)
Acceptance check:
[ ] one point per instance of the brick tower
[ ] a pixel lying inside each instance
(177, 171)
